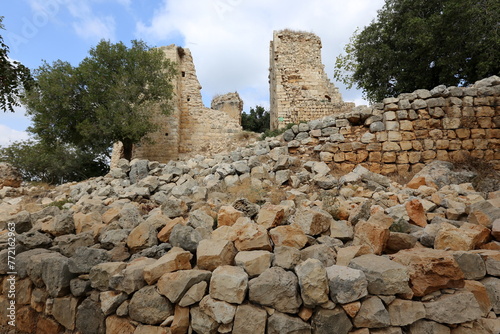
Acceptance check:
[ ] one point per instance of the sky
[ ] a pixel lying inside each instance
(229, 39)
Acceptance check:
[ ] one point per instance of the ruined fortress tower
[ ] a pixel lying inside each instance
(299, 87)
(190, 127)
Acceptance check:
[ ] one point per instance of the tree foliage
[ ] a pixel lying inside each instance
(257, 121)
(110, 96)
(56, 163)
(421, 44)
(14, 78)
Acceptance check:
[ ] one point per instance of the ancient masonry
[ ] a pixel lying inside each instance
(191, 127)
(299, 87)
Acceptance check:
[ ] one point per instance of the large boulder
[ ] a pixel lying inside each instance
(430, 269)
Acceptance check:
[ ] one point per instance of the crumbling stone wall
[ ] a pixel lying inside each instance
(406, 132)
(299, 87)
(191, 127)
(230, 103)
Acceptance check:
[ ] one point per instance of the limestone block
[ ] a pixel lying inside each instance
(254, 262)
(249, 319)
(276, 288)
(346, 284)
(405, 312)
(372, 314)
(288, 235)
(313, 282)
(229, 283)
(281, 323)
(385, 277)
(326, 321)
(220, 311)
(214, 253)
(194, 294)
(450, 309)
(430, 270)
(175, 259)
(270, 216)
(174, 285)
(149, 307)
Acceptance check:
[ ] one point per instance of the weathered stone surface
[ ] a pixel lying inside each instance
(228, 215)
(90, 309)
(111, 300)
(174, 285)
(249, 319)
(416, 212)
(331, 321)
(9, 176)
(276, 288)
(149, 307)
(321, 252)
(341, 229)
(180, 324)
(313, 282)
(453, 309)
(254, 262)
(185, 237)
(250, 236)
(467, 237)
(430, 270)
(372, 314)
(148, 329)
(483, 213)
(428, 327)
(492, 261)
(47, 325)
(398, 241)
(471, 264)
(214, 253)
(312, 221)
(492, 285)
(64, 311)
(56, 275)
(405, 312)
(373, 233)
(481, 294)
(194, 294)
(142, 236)
(288, 235)
(220, 311)
(270, 216)
(280, 323)
(34, 239)
(175, 259)
(118, 325)
(385, 277)
(85, 258)
(229, 283)
(101, 274)
(132, 277)
(202, 322)
(286, 257)
(346, 284)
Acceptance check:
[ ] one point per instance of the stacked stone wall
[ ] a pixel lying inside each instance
(299, 87)
(404, 133)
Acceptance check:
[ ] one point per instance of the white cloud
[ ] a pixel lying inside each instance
(229, 39)
(95, 28)
(9, 135)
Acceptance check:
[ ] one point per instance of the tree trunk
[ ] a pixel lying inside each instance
(127, 149)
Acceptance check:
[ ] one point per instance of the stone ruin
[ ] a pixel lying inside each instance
(299, 87)
(190, 127)
(300, 91)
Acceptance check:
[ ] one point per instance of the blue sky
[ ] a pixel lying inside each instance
(229, 39)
